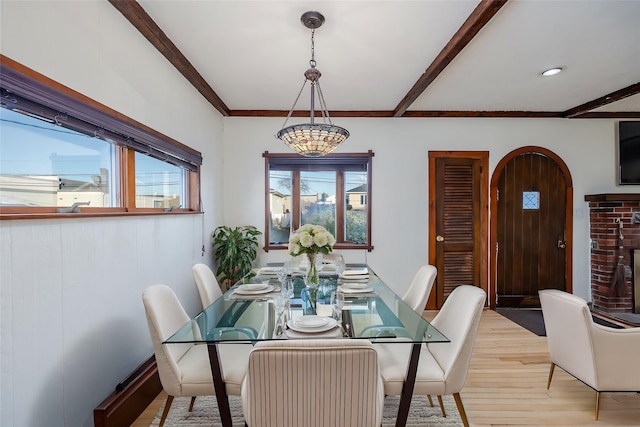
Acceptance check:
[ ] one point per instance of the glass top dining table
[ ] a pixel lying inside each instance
(373, 312)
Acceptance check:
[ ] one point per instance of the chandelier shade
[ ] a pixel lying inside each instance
(312, 139)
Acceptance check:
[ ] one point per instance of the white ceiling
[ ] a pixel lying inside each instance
(253, 53)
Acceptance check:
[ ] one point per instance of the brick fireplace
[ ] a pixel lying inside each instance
(605, 210)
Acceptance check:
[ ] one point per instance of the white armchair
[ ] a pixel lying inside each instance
(313, 383)
(207, 284)
(443, 367)
(420, 288)
(603, 358)
(184, 369)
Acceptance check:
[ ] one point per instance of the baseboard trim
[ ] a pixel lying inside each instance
(130, 398)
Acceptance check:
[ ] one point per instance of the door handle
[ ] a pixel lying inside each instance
(562, 244)
(439, 238)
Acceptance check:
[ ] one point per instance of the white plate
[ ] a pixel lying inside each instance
(356, 291)
(359, 278)
(311, 321)
(355, 285)
(331, 323)
(358, 272)
(243, 291)
(269, 271)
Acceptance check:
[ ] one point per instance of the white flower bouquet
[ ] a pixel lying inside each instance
(311, 239)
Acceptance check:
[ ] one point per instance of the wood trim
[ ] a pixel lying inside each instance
(603, 100)
(131, 397)
(493, 194)
(480, 16)
(139, 18)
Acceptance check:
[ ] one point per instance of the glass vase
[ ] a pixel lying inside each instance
(312, 279)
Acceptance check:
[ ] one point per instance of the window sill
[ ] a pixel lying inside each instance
(86, 214)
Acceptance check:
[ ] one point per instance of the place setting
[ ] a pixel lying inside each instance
(252, 290)
(358, 274)
(357, 289)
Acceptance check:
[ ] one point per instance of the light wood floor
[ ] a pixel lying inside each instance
(507, 385)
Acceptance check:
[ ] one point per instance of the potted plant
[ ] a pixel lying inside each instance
(235, 249)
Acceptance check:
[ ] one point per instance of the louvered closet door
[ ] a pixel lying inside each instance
(458, 233)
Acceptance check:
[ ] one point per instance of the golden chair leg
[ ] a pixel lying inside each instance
(430, 400)
(597, 404)
(550, 375)
(463, 415)
(167, 406)
(193, 400)
(444, 414)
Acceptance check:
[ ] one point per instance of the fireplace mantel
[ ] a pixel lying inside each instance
(612, 197)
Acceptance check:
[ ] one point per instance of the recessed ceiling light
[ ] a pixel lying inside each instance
(552, 71)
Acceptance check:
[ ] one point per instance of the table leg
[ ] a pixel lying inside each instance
(407, 387)
(218, 385)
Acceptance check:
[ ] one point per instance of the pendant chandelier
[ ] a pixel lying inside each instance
(312, 139)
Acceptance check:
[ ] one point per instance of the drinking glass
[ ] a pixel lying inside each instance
(337, 301)
(287, 289)
(279, 304)
(282, 275)
(340, 265)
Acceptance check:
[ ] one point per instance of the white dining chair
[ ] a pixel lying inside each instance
(442, 367)
(597, 355)
(419, 290)
(313, 383)
(184, 369)
(207, 284)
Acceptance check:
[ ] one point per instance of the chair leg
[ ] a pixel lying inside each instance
(463, 415)
(553, 365)
(167, 406)
(597, 404)
(430, 400)
(193, 400)
(444, 414)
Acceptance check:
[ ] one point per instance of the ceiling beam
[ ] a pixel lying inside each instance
(578, 111)
(482, 14)
(139, 18)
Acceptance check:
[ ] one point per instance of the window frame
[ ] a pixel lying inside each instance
(24, 87)
(343, 158)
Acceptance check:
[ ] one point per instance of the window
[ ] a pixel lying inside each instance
(530, 200)
(332, 191)
(57, 149)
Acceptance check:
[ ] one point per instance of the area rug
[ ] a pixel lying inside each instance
(532, 320)
(205, 412)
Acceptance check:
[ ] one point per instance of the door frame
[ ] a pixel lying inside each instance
(483, 157)
(495, 178)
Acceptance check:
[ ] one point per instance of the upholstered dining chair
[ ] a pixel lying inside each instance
(184, 369)
(443, 367)
(601, 357)
(313, 383)
(207, 284)
(419, 290)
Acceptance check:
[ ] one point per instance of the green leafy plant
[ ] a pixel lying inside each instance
(235, 249)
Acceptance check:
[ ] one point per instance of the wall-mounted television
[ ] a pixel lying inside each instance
(629, 153)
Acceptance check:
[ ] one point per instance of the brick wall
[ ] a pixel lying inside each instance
(605, 210)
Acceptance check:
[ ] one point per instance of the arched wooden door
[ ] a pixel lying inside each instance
(531, 227)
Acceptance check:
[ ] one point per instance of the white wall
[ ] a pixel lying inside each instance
(72, 323)
(400, 176)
